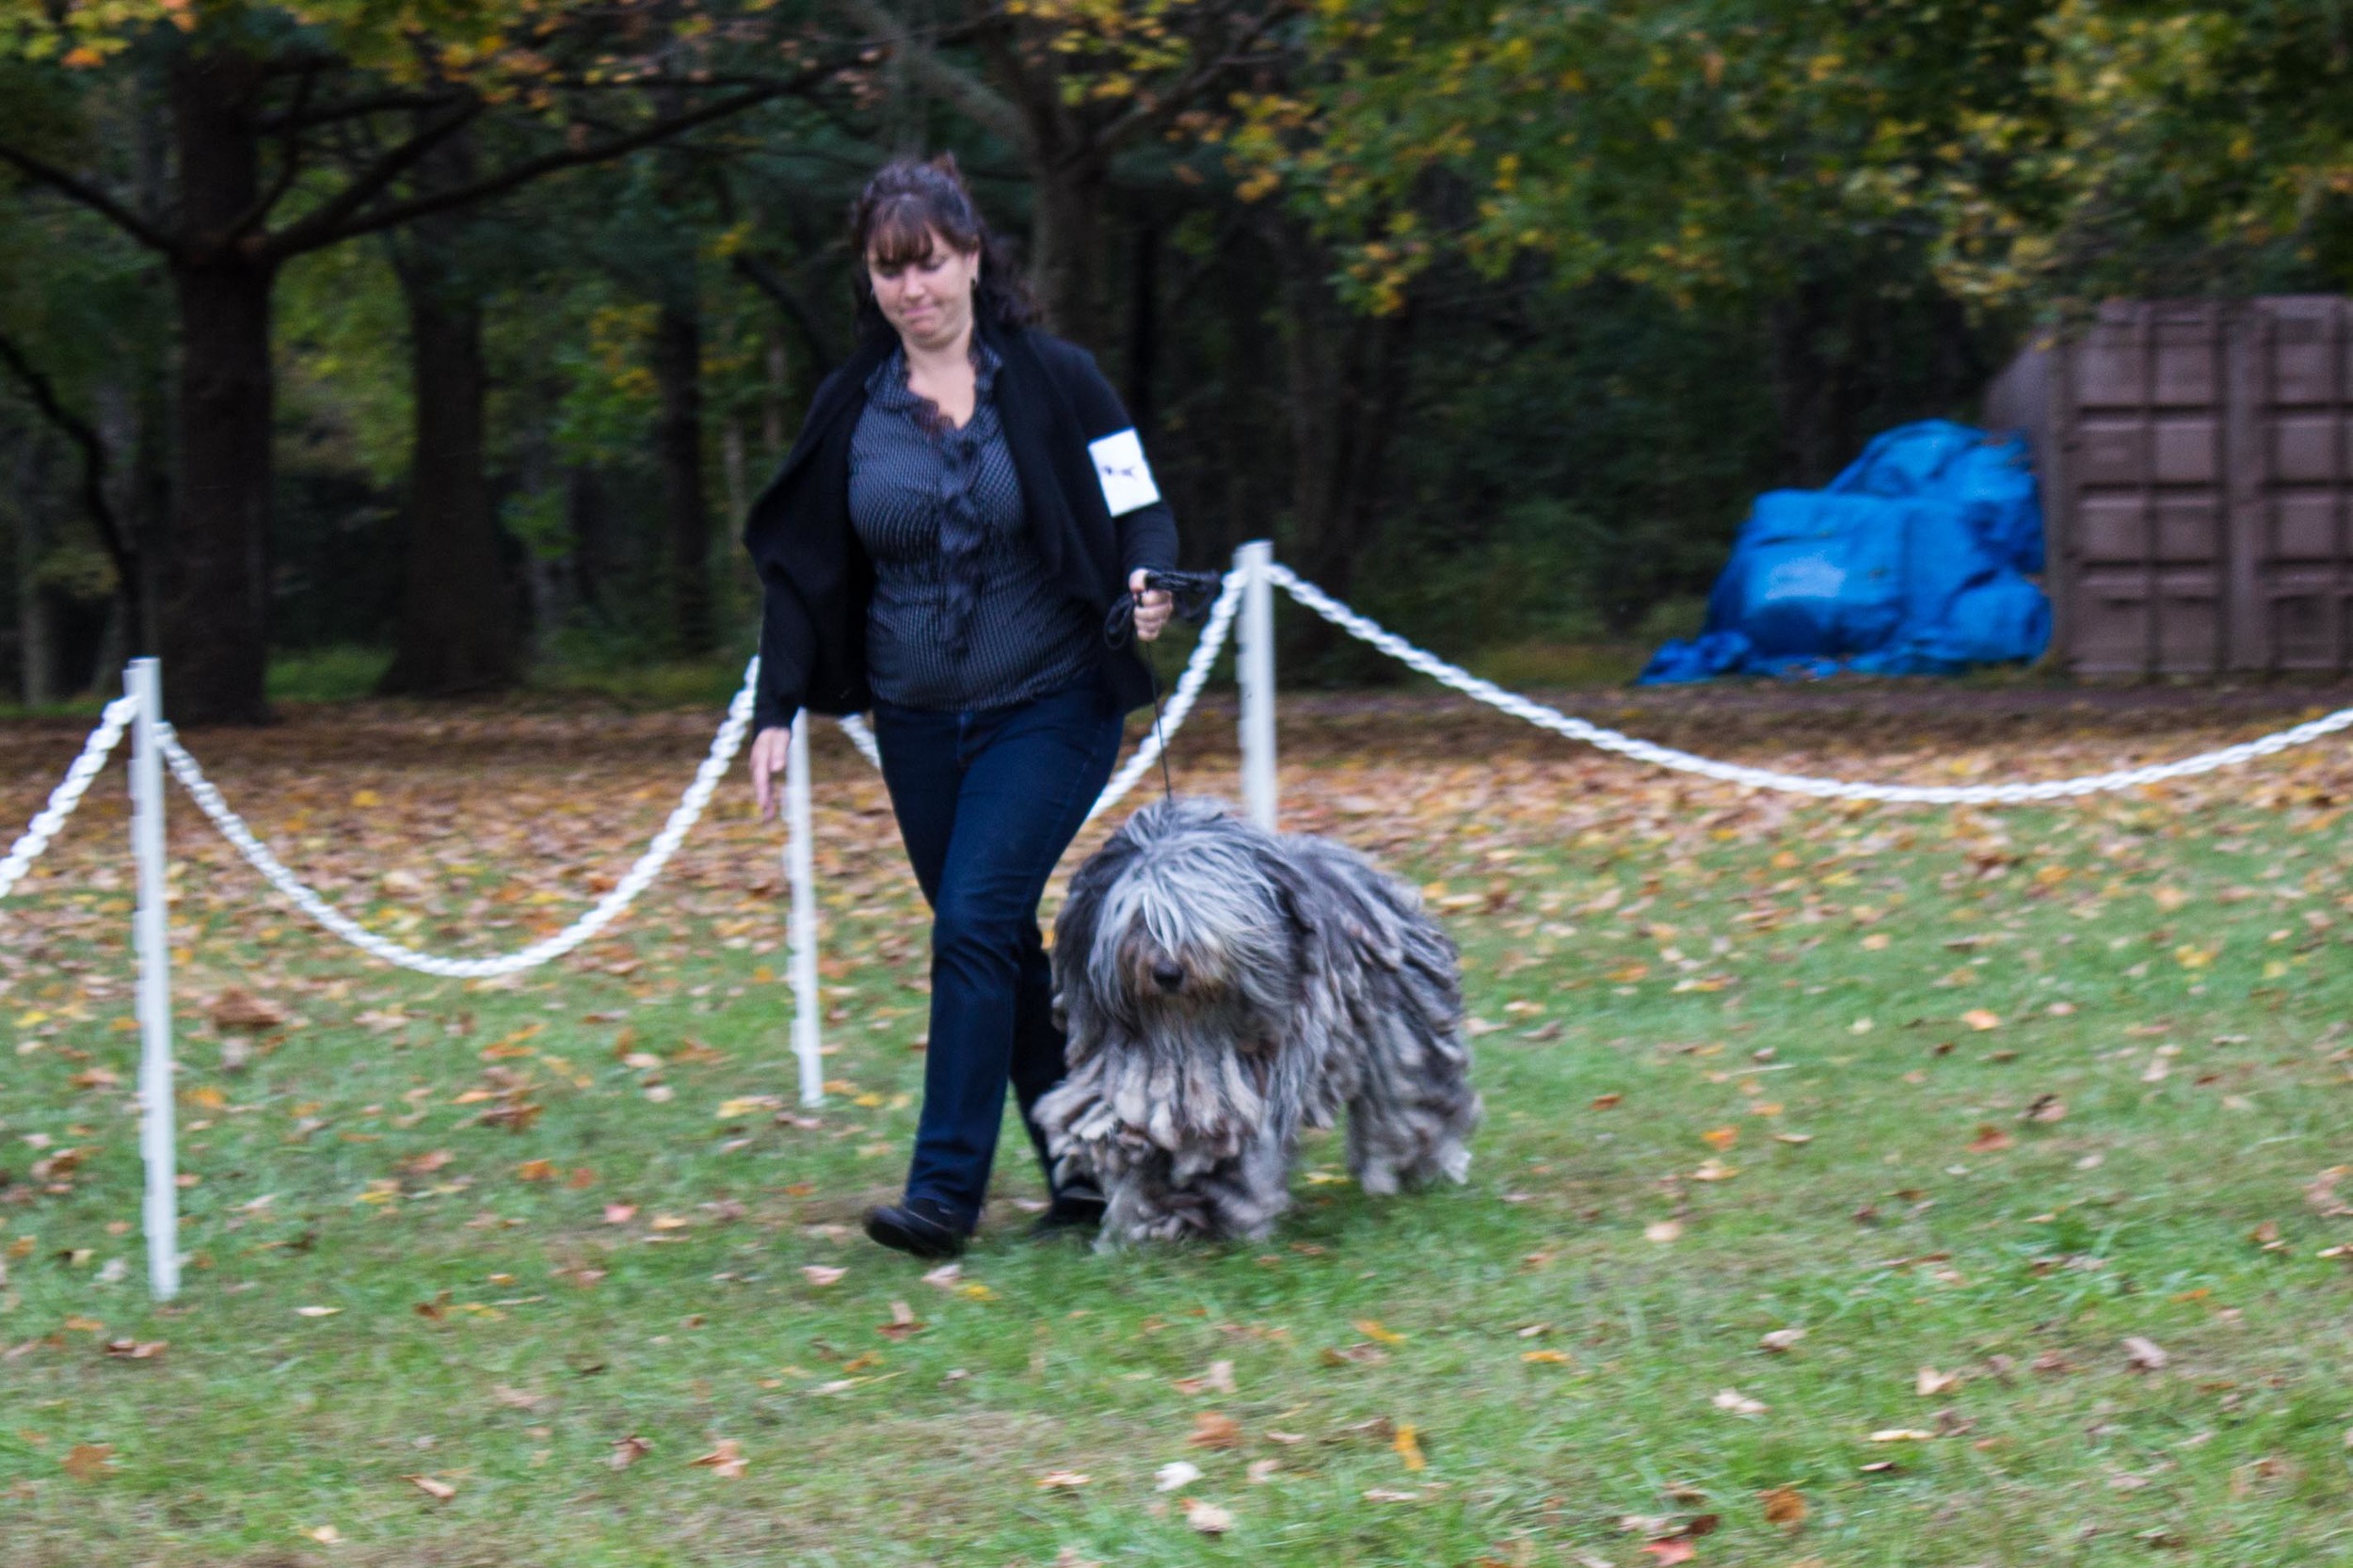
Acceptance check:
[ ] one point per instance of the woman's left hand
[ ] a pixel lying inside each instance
(1153, 606)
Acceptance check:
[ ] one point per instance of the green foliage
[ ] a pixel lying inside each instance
(343, 361)
(335, 672)
(1657, 257)
(2162, 149)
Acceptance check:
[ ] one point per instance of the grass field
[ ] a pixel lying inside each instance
(1859, 1188)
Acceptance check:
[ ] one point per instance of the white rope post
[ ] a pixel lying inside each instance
(801, 866)
(143, 682)
(1254, 663)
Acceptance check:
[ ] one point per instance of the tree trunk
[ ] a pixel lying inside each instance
(678, 354)
(216, 634)
(1144, 327)
(458, 632)
(36, 634)
(1347, 375)
(1067, 244)
(1815, 336)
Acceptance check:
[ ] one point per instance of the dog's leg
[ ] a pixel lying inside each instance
(1253, 1190)
(1412, 1110)
(1142, 1204)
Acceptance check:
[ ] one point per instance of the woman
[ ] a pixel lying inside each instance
(941, 546)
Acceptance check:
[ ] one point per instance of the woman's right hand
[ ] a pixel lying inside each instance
(771, 750)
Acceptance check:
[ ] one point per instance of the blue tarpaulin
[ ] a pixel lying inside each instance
(1913, 561)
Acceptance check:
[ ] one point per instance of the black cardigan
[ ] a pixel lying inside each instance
(815, 578)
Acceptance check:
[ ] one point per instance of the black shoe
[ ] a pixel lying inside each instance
(1069, 1211)
(920, 1226)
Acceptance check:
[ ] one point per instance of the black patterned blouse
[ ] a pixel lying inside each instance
(963, 615)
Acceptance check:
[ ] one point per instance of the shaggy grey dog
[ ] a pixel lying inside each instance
(1223, 988)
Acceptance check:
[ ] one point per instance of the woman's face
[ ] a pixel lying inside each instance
(929, 299)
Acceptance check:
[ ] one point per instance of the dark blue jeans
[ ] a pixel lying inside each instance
(986, 802)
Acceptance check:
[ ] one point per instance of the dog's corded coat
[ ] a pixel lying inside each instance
(1224, 987)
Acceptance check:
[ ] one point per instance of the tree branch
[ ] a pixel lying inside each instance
(290, 163)
(43, 172)
(333, 219)
(304, 236)
(93, 449)
(299, 119)
(762, 275)
(992, 109)
(1167, 105)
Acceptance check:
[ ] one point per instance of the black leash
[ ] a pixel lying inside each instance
(1193, 593)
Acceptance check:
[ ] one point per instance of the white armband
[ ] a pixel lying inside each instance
(1126, 478)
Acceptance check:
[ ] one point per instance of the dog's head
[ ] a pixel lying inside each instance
(1189, 915)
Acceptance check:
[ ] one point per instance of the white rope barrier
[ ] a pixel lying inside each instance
(1254, 570)
(682, 819)
(1765, 778)
(862, 736)
(68, 794)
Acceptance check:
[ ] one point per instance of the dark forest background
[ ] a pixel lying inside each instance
(437, 349)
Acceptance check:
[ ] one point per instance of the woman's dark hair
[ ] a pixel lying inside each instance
(894, 218)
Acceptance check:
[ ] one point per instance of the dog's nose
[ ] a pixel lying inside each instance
(1168, 975)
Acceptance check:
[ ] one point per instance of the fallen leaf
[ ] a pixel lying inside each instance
(1218, 1379)
(725, 1459)
(1214, 1430)
(619, 1213)
(1720, 1138)
(439, 1491)
(325, 1535)
(1208, 1518)
(1784, 1506)
(1175, 1474)
(1370, 1328)
(238, 1008)
(1928, 1383)
(1063, 1481)
(1674, 1549)
(1902, 1435)
(628, 1451)
(88, 1460)
(1390, 1495)
(2143, 1355)
(822, 1274)
(1409, 1447)
(1782, 1339)
(1979, 1018)
(1989, 1140)
(1738, 1402)
(1662, 1230)
(316, 1311)
(1608, 1102)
